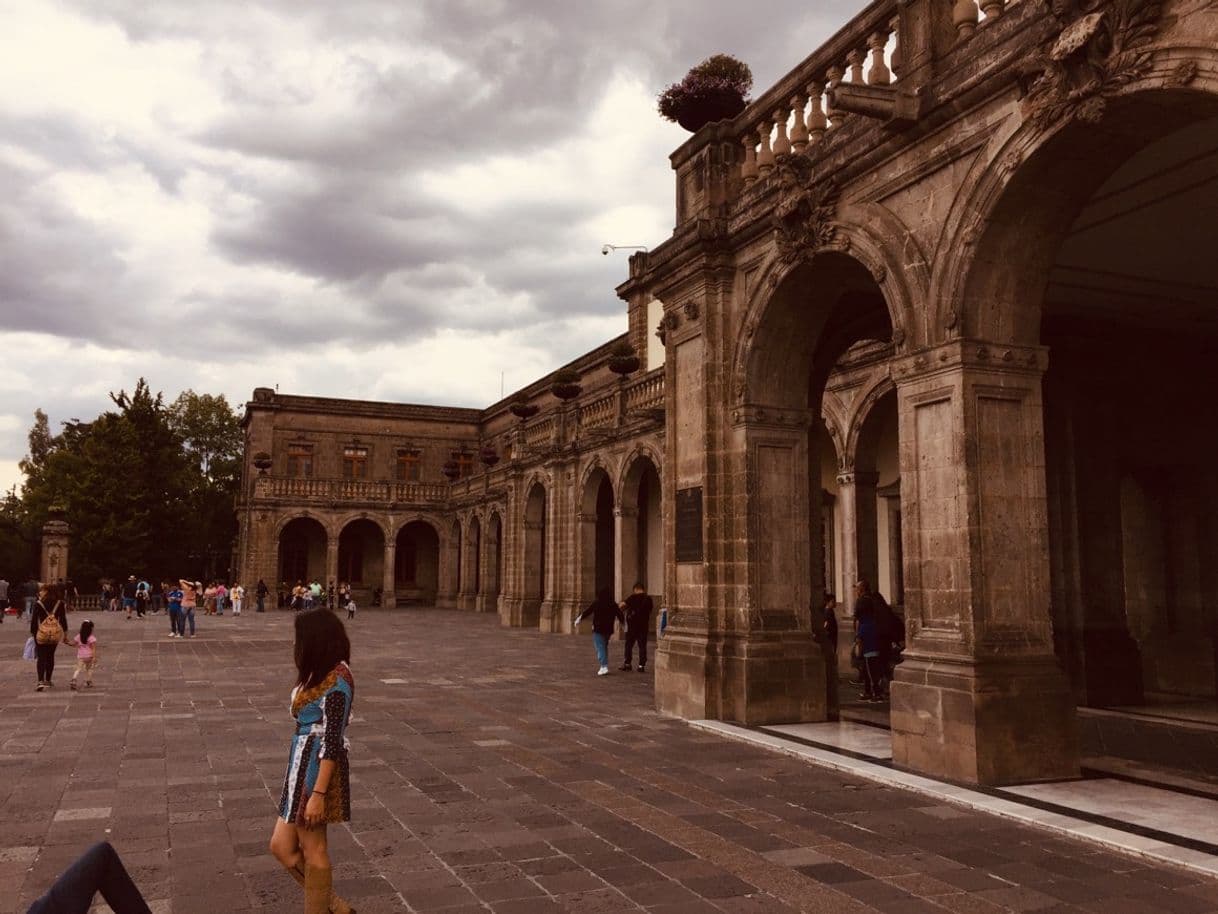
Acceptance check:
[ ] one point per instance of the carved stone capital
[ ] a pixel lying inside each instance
(975, 354)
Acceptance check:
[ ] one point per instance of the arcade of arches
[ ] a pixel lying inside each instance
(951, 329)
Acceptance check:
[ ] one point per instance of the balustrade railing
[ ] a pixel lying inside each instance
(599, 413)
(646, 392)
(348, 489)
(798, 113)
(539, 433)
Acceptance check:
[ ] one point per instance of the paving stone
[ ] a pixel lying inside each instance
(521, 794)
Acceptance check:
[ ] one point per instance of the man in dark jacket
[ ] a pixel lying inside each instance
(638, 608)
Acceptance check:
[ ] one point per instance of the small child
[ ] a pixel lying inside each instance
(350, 607)
(86, 654)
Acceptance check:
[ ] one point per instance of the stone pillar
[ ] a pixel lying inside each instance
(626, 551)
(860, 547)
(56, 538)
(980, 697)
(331, 560)
(389, 598)
(466, 589)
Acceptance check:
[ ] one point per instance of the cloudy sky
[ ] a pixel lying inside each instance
(386, 199)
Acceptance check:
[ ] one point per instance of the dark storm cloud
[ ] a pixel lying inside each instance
(321, 232)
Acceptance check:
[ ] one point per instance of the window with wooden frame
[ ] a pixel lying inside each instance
(408, 464)
(465, 464)
(300, 460)
(355, 462)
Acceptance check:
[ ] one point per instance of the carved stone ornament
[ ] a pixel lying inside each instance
(1099, 47)
(1183, 74)
(691, 310)
(804, 215)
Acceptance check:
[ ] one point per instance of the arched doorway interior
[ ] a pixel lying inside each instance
(361, 559)
(642, 532)
(597, 536)
(302, 551)
(535, 571)
(417, 563)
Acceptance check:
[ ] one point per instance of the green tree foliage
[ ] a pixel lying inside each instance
(147, 488)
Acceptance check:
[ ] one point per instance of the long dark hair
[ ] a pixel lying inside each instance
(321, 642)
(86, 629)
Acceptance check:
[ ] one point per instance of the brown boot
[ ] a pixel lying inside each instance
(317, 889)
(337, 904)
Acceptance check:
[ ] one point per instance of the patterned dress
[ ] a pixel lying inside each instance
(321, 713)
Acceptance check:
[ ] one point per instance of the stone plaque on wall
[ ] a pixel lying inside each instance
(689, 524)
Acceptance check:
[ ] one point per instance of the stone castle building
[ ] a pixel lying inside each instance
(938, 311)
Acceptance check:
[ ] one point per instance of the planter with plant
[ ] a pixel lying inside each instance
(713, 90)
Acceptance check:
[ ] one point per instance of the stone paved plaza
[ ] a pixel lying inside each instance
(493, 771)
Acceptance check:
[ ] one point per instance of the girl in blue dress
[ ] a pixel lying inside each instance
(317, 786)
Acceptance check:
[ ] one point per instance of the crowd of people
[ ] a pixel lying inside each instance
(305, 595)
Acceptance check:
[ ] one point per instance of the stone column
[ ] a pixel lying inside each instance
(56, 538)
(626, 551)
(389, 599)
(331, 560)
(860, 547)
(466, 595)
(980, 697)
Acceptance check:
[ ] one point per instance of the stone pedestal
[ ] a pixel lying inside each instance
(56, 538)
(754, 679)
(980, 697)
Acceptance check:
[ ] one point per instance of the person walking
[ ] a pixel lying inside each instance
(867, 636)
(173, 597)
(86, 654)
(261, 592)
(3, 599)
(129, 590)
(604, 613)
(317, 786)
(638, 608)
(143, 598)
(48, 626)
(350, 605)
(221, 597)
(237, 595)
(189, 598)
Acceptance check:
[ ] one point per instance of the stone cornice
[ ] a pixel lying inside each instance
(973, 354)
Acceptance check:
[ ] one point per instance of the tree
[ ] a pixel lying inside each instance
(129, 486)
(211, 431)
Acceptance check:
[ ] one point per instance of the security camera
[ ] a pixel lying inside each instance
(606, 248)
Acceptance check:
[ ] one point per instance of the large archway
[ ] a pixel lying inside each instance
(597, 538)
(456, 567)
(417, 564)
(361, 560)
(302, 551)
(1117, 282)
(536, 569)
(641, 537)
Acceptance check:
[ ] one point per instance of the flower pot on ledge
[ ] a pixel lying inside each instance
(700, 110)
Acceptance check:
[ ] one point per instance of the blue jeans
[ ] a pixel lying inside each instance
(175, 617)
(98, 869)
(602, 648)
(188, 615)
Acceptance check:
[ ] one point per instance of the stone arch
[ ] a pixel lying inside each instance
(342, 521)
(454, 552)
(596, 539)
(902, 287)
(641, 449)
(416, 572)
(473, 544)
(1133, 336)
(493, 574)
(361, 554)
(301, 544)
(876, 388)
(597, 463)
(640, 534)
(536, 571)
(1026, 194)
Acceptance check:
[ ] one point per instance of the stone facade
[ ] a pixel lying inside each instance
(936, 312)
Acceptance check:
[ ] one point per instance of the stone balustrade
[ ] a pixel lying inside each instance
(354, 490)
(798, 112)
(539, 433)
(646, 392)
(599, 413)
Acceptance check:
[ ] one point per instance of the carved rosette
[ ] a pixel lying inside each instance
(804, 215)
(1099, 47)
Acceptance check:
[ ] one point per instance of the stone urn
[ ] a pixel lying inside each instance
(565, 384)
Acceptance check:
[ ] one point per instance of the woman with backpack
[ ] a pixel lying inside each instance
(48, 627)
